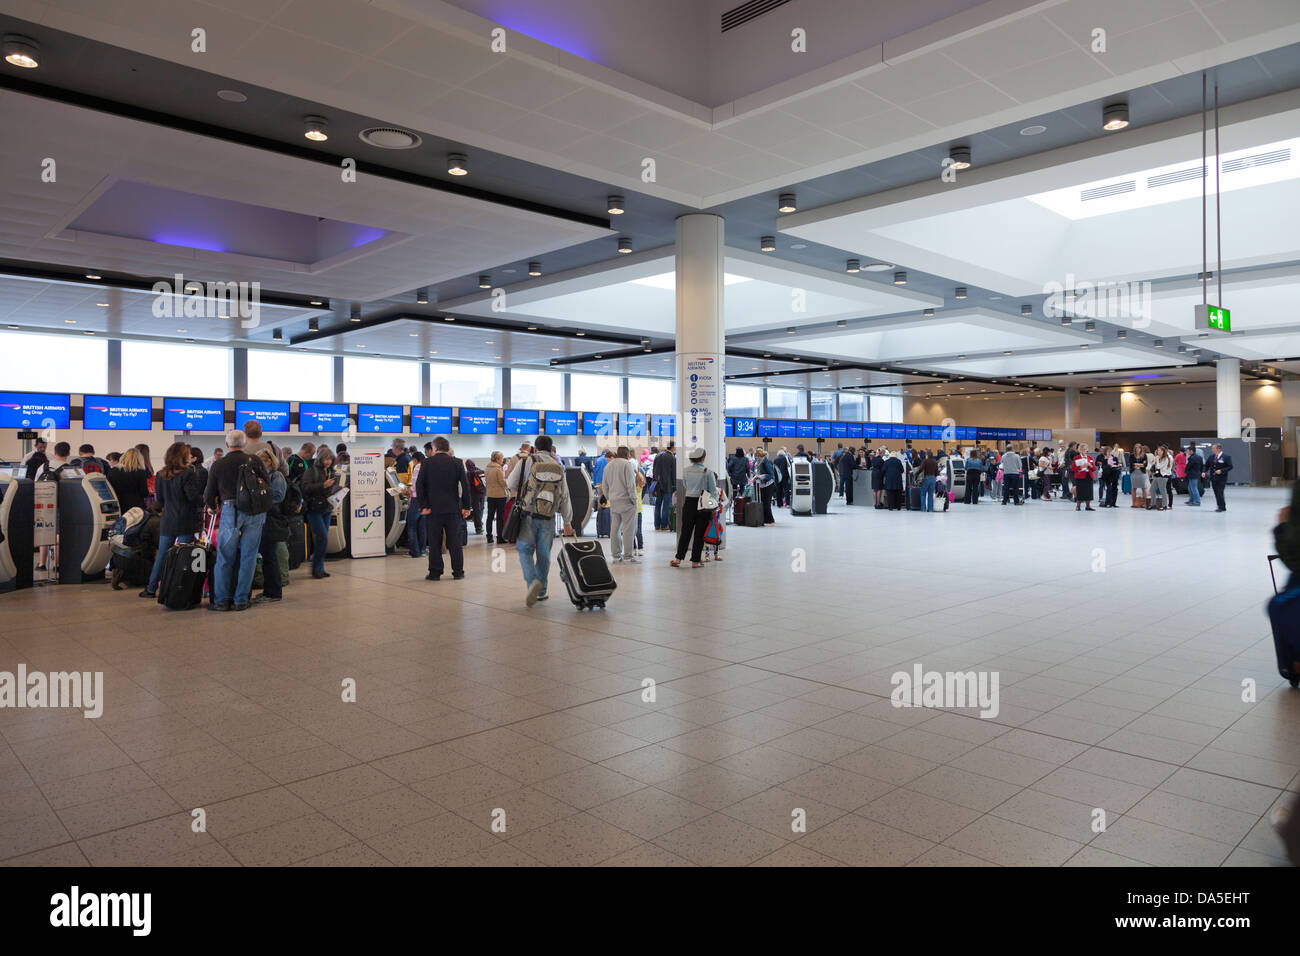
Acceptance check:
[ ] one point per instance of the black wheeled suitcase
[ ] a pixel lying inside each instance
(914, 498)
(297, 542)
(586, 574)
(603, 521)
(753, 514)
(185, 570)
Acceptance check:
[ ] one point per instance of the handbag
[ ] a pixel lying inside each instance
(714, 534)
(708, 501)
(514, 522)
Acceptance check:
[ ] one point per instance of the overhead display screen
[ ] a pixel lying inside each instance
(912, 431)
(477, 421)
(855, 431)
(746, 427)
(272, 416)
(317, 417)
(664, 426)
(521, 422)
(839, 430)
(785, 428)
(896, 430)
(805, 429)
(34, 410)
(430, 419)
(822, 429)
(728, 427)
(118, 411)
(379, 418)
(767, 427)
(194, 414)
(871, 430)
(561, 423)
(599, 423)
(633, 426)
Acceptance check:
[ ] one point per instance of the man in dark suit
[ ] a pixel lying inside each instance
(444, 495)
(1218, 467)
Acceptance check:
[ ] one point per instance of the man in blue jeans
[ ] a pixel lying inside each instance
(664, 473)
(536, 535)
(238, 535)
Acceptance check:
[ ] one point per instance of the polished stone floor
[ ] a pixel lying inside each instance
(1121, 640)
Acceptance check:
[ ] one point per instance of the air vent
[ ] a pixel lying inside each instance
(1177, 176)
(389, 137)
(1101, 192)
(1259, 159)
(738, 16)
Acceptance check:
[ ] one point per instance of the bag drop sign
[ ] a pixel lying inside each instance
(699, 384)
(366, 505)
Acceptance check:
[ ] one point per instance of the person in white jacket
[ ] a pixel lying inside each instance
(621, 482)
(1160, 467)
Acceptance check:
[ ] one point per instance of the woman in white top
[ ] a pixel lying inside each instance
(698, 487)
(1160, 467)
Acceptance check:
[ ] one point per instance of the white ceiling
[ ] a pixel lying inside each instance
(1080, 360)
(609, 295)
(428, 65)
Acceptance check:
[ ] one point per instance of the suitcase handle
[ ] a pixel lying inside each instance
(1271, 559)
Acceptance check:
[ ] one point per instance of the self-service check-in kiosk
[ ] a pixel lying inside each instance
(17, 519)
(395, 510)
(801, 494)
(87, 511)
(337, 540)
(823, 486)
(956, 476)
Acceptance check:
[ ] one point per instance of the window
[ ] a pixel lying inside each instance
(886, 408)
(853, 407)
(381, 381)
(49, 363)
(468, 386)
(743, 400)
(596, 393)
(531, 389)
(823, 405)
(649, 395)
(279, 375)
(185, 371)
(784, 403)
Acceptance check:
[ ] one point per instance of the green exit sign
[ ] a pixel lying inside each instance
(1213, 318)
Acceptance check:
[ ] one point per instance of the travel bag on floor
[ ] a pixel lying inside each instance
(586, 574)
(603, 520)
(738, 512)
(184, 572)
(1284, 615)
(753, 514)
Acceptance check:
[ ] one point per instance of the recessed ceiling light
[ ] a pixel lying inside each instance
(1159, 343)
(21, 51)
(485, 281)
(414, 335)
(102, 305)
(1033, 130)
(1122, 334)
(960, 293)
(900, 278)
(614, 205)
(852, 266)
(877, 267)
(88, 332)
(532, 328)
(767, 244)
(841, 323)
(12, 326)
(1067, 320)
(422, 297)
(433, 351)
(223, 315)
(277, 334)
(232, 96)
(315, 128)
(191, 341)
(624, 245)
(960, 156)
(786, 203)
(317, 301)
(1026, 309)
(92, 275)
(1006, 352)
(959, 356)
(487, 341)
(457, 164)
(449, 318)
(1114, 117)
(1084, 346)
(534, 269)
(70, 321)
(928, 313)
(798, 245)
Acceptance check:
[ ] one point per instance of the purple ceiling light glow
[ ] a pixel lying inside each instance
(188, 242)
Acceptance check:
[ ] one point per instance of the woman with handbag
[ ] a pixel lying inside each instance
(699, 501)
(767, 483)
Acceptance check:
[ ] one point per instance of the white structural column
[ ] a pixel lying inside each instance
(701, 335)
(1228, 398)
(1071, 408)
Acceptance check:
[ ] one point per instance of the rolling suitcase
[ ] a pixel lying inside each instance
(738, 512)
(914, 498)
(603, 521)
(1284, 616)
(184, 572)
(297, 543)
(585, 574)
(753, 514)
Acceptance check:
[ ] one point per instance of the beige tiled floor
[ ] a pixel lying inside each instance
(1121, 691)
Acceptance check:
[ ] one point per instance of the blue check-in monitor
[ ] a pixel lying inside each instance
(767, 427)
(871, 430)
(633, 426)
(118, 411)
(317, 417)
(477, 421)
(805, 429)
(665, 426)
(728, 427)
(854, 429)
(386, 419)
(898, 430)
(912, 431)
(561, 423)
(272, 416)
(746, 427)
(839, 430)
(194, 415)
(430, 419)
(785, 428)
(521, 422)
(821, 429)
(34, 410)
(599, 423)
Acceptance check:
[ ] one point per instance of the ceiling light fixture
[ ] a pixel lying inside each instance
(1033, 130)
(841, 323)
(313, 325)
(786, 203)
(356, 314)
(232, 96)
(102, 305)
(900, 278)
(315, 128)
(614, 205)
(485, 281)
(1122, 334)
(877, 267)
(852, 267)
(1114, 117)
(317, 301)
(422, 297)
(624, 245)
(534, 269)
(960, 156)
(21, 51)
(928, 313)
(1026, 309)
(1159, 343)
(1067, 320)
(960, 293)
(790, 330)
(457, 164)
(1090, 326)
(277, 334)
(767, 244)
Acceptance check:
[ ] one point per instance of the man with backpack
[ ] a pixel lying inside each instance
(541, 491)
(239, 488)
(88, 463)
(298, 462)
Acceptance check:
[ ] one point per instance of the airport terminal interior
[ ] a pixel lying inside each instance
(670, 433)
